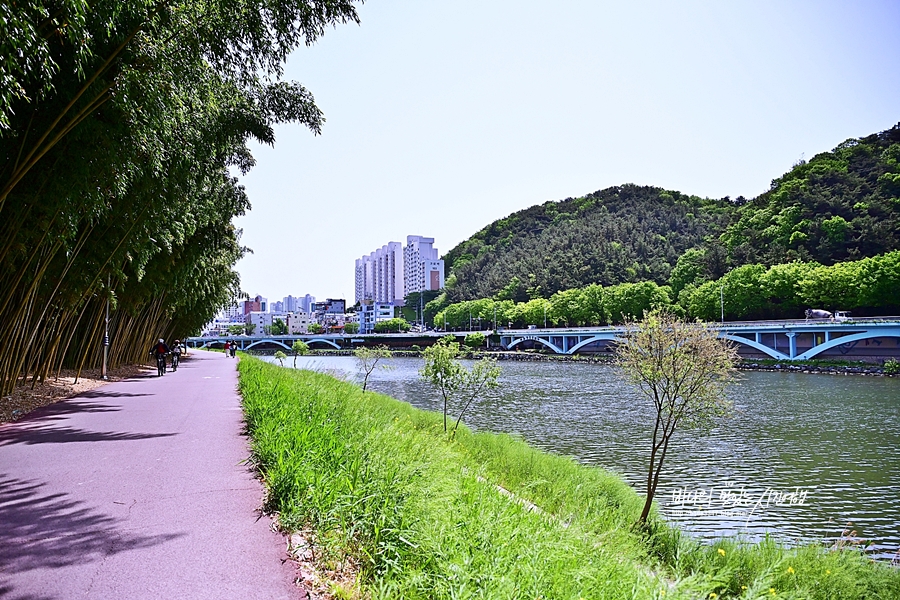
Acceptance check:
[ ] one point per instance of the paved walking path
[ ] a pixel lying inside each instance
(137, 490)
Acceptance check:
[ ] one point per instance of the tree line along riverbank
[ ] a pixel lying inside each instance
(396, 509)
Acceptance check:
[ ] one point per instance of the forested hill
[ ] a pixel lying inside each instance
(840, 205)
(628, 233)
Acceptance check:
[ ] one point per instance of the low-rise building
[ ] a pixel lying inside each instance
(370, 314)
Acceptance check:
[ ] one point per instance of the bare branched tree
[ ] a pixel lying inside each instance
(683, 368)
(368, 358)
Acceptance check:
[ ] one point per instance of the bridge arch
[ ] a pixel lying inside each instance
(546, 343)
(276, 342)
(854, 337)
(761, 347)
(596, 338)
(329, 342)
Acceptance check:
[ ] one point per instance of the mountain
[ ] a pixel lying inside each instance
(841, 205)
(621, 234)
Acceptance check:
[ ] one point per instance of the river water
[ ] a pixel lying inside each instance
(803, 458)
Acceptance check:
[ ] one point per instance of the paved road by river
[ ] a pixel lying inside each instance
(138, 489)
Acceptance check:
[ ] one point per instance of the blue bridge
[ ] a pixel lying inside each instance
(780, 340)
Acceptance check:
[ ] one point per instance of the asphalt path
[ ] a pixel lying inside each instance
(138, 489)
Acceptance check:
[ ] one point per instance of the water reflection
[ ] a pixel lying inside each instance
(832, 438)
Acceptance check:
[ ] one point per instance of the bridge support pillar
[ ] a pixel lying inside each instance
(792, 338)
(758, 338)
(827, 336)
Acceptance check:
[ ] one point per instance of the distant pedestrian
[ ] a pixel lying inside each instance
(227, 348)
(233, 348)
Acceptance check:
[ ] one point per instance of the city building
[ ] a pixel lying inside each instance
(330, 312)
(390, 273)
(370, 314)
(379, 276)
(298, 322)
(423, 270)
(257, 304)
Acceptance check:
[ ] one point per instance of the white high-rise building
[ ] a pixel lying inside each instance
(379, 276)
(423, 269)
(390, 273)
(298, 303)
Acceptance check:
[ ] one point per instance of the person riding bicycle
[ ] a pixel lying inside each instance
(176, 355)
(159, 350)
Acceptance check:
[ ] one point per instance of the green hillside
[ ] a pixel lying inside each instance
(840, 205)
(628, 233)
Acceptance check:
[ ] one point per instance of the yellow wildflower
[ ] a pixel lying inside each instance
(772, 591)
(713, 595)
(828, 571)
(791, 570)
(743, 587)
(721, 551)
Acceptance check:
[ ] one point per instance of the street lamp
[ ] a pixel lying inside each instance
(104, 372)
(722, 301)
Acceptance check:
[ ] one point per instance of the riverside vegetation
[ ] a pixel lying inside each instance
(377, 484)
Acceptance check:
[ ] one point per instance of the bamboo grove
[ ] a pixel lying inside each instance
(120, 125)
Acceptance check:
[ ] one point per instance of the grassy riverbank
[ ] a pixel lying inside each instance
(379, 486)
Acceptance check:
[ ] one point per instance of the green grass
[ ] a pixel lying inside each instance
(379, 483)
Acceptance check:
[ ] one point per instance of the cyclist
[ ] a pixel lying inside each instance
(176, 355)
(159, 350)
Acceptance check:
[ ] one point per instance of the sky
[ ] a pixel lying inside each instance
(443, 117)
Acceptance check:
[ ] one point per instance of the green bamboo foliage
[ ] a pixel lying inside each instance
(120, 125)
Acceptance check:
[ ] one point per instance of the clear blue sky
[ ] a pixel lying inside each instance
(442, 117)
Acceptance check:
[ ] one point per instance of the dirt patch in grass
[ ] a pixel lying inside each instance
(26, 398)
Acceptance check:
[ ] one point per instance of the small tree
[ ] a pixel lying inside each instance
(235, 329)
(683, 368)
(278, 327)
(300, 348)
(455, 383)
(351, 327)
(475, 340)
(368, 359)
(280, 356)
(249, 328)
(395, 325)
(315, 328)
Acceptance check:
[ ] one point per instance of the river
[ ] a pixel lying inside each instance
(803, 458)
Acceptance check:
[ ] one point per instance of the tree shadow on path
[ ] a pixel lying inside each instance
(46, 530)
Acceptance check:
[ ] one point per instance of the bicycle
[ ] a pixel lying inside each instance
(175, 361)
(160, 365)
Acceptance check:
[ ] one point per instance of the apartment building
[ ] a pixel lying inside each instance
(369, 314)
(379, 276)
(390, 273)
(424, 271)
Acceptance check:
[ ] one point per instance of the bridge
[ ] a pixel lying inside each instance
(780, 340)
